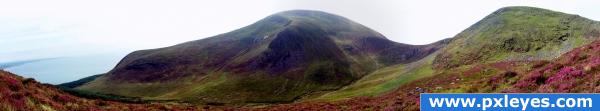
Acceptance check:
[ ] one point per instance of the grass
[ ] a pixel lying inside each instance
(383, 80)
(364, 87)
(95, 95)
(518, 33)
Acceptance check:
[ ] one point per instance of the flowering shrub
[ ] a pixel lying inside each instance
(565, 73)
(13, 83)
(565, 79)
(532, 79)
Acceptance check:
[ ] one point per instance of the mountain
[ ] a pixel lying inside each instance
(514, 33)
(277, 59)
(518, 33)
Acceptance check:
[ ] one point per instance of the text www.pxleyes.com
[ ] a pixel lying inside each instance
(510, 102)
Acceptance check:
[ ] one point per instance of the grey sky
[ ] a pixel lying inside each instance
(59, 28)
(426, 21)
(151, 24)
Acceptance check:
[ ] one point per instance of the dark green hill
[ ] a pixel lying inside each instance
(278, 59)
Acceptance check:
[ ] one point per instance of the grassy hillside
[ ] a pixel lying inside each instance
(383, 80)
(518, 33)
(279, 59)
(22, 94)
(25, 94)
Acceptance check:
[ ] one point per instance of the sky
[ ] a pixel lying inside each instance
(78, 28)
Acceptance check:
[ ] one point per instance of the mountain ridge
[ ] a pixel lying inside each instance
(288, 54)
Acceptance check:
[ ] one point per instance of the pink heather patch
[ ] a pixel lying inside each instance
(565, 73)
(531, 78)
(11, 81)
(563, 81)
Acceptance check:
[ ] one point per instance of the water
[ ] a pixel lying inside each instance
(67, 69)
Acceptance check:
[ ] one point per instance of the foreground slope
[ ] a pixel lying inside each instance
(576, 71)
(277, 59)
(25, 94)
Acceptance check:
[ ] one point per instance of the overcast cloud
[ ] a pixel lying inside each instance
(131, 25)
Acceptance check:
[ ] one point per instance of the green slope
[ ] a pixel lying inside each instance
(383, 80)
(518, 33)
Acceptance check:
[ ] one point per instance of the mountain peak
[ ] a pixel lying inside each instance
(521, 8)
(312, 15)
(527, 11)
(319, 20)
(303, 13)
